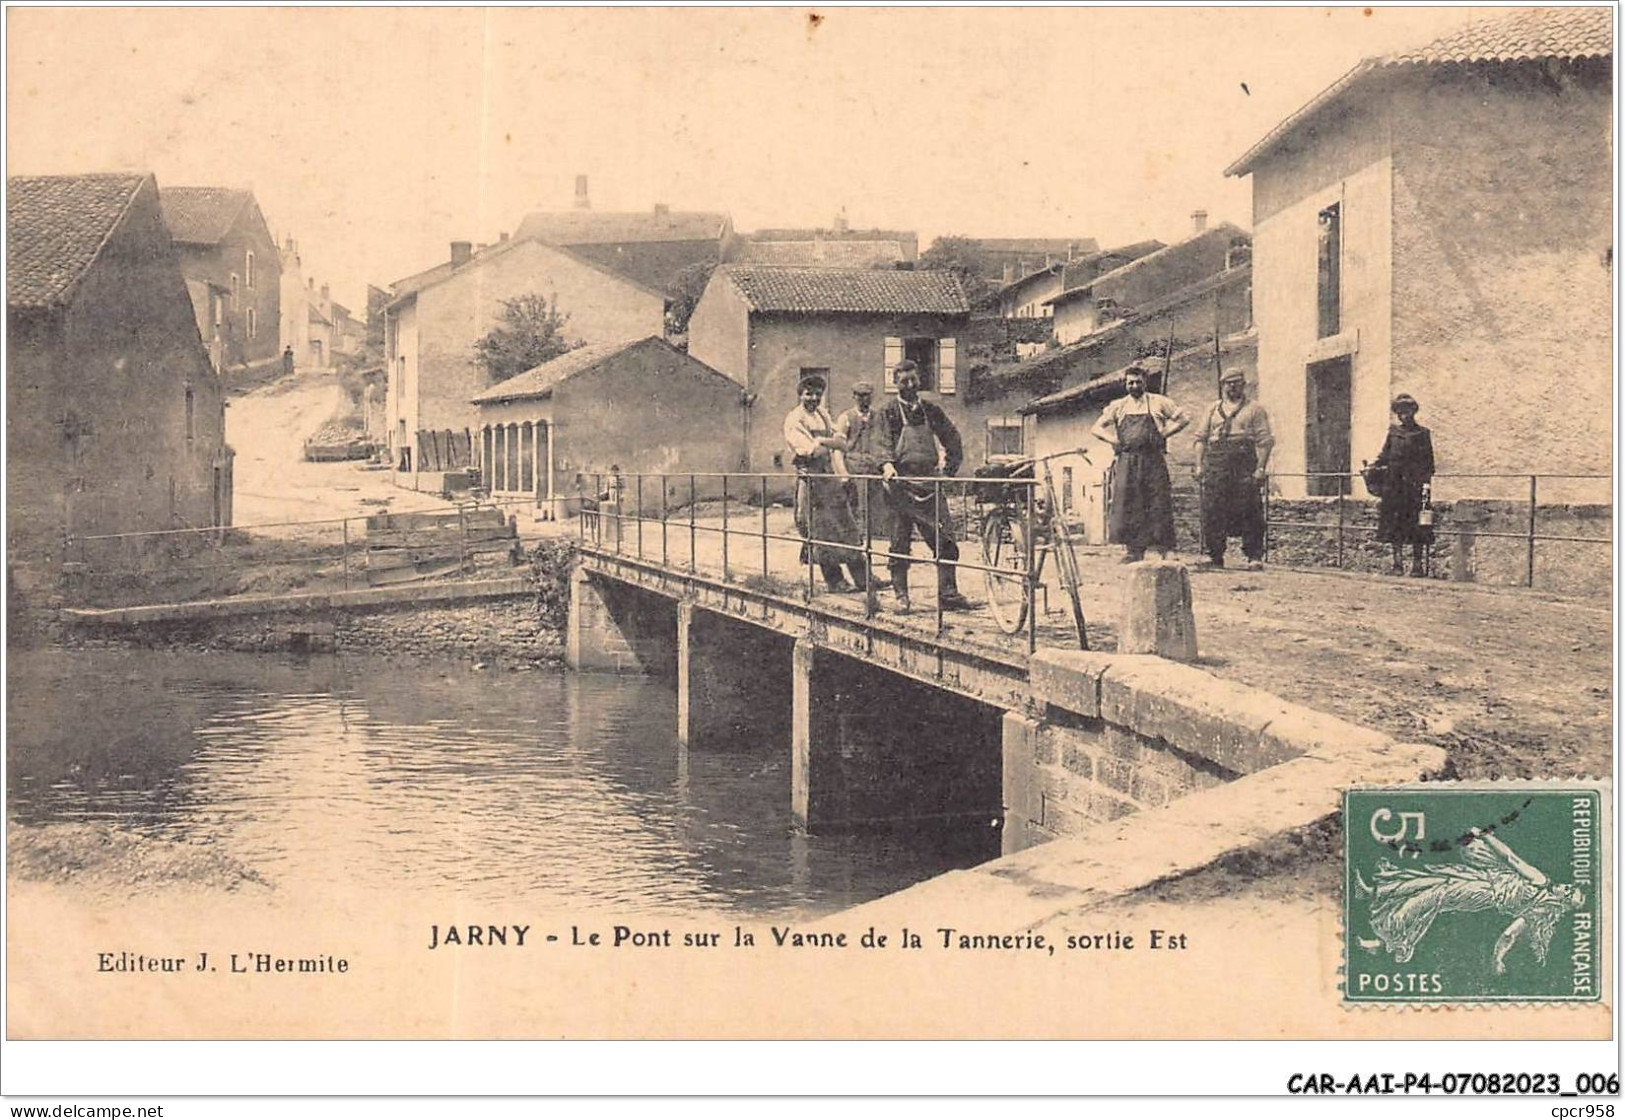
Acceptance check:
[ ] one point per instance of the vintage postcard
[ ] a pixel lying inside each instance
(799, 523)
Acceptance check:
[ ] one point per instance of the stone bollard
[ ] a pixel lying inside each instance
(1157, 614)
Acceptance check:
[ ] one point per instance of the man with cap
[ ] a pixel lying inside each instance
(821, 509)
(860, 427)
(1137, 427)
(1232, 457)
(911, 430)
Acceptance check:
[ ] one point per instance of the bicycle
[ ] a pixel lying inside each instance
(1010, 537)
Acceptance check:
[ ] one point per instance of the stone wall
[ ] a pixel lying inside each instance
(508, 630)
(1113, 734)
(1093, 771)
(1464, 548)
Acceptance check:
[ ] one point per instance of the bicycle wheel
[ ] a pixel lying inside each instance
(1004, 552)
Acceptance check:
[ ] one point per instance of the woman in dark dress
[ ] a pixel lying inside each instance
(1408, 457)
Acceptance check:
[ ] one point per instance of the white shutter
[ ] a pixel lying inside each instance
(947, 351)
(894, 354)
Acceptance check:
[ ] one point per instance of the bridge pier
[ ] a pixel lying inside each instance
(619, 629)
(873, 750)
(730, 681)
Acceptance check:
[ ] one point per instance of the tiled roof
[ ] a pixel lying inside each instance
(201, 215)
(541, 380)
(593, 227)
(848, 290)
(1530, 34)
(56, 226)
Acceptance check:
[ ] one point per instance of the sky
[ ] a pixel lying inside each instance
(376, 137)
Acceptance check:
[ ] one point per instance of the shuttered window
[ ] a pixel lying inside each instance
(894, 354)
(947, 376)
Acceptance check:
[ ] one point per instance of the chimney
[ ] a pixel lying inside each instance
(582, 201)
(662, 211)
(311, 283)
(501, 237)
(1198, 221)
(289, 243)
(326, 293)
(840, 221)
(460, 252)
(1009, 271)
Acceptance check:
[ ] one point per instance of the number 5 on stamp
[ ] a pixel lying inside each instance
(1472, 894)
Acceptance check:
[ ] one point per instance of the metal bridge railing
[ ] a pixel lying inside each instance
(634, 515)
(1469, 503)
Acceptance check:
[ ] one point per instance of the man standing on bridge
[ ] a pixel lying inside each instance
(1142, 503)
(1232, 454)
(911, 430)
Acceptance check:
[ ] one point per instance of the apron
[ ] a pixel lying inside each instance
(916, 455)
(822, 511)
(1231, 504)
(1142, 514)
(863, 457)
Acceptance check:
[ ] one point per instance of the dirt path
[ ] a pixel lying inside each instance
(268, 425)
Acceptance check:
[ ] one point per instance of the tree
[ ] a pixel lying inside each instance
(530, 331)
(963, 257)
(686, 289)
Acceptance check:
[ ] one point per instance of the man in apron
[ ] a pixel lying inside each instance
(912, 430)
(860, 427)
(821, 509)
(1137, 426)
(1232, 454)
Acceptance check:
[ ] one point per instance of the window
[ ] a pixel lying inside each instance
(817, 371)
(1066, 489)
(191, 429)
(248, 269)
(253, 323)
(1004, 437)
(936, 357)
(1329, 270)
(234, 291)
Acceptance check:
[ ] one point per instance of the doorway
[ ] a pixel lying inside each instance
(1327, 425)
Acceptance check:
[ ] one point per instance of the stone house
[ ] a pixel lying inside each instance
(233, 269)
(1027, 297)
(653, 247)
(837, 247)
(1104, 289)
(1007, 259)
(1439, 221)
(115, 421)
(645, 407)
(436, 316)
(765, 325)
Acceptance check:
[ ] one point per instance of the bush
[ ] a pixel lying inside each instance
(551, 563)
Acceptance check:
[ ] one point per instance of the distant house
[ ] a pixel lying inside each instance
(436, 316)
(295, 305)
(1160, 309)
(233, 269)
(114, 418)
(837, 247)
(766, 325)
(644, 406)
(1439, 221)
(652, 246)
(1108, 287)
(1007, 259)
(1027, 297)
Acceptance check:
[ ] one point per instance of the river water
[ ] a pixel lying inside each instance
(543, 786)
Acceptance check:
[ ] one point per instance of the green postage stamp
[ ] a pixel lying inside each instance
(1486, 894)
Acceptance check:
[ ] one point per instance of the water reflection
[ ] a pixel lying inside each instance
(338, 773)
